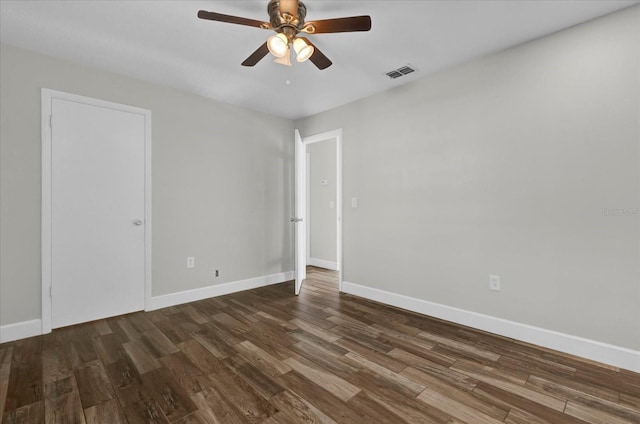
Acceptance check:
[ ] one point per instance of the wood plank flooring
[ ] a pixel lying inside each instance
(267, 356)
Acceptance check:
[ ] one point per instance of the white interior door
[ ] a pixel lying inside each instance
(97, 212)
(301, 211)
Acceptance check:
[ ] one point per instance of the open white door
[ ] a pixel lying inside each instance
(301, 211)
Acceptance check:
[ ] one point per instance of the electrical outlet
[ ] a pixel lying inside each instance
(216, 273)
(191, 262)
(494, 282)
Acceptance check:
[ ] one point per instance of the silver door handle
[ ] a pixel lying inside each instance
(137, 222)
(296, 219)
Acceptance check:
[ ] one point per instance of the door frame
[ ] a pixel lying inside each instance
(300, 212)
(329, 135)
(47, 96)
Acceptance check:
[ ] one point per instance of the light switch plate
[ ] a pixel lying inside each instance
(494, 282)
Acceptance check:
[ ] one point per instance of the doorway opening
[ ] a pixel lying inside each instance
(322, 196)
(318, 204)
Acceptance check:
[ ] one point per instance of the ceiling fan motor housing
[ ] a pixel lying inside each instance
(286, 23)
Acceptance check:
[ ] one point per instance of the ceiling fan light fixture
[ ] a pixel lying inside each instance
(288, 19)
(303, 50)
(278, 45)
(285, 59)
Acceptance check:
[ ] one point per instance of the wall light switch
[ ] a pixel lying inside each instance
(191, 262)
(332, 204)
(354, 202)
(494, 282)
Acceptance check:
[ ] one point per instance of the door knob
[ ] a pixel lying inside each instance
(137, 222)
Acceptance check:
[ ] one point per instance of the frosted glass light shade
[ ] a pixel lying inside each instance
(303, 50)
(278, 45)
(285, 59)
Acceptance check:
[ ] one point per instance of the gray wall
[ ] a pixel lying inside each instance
(505, 166)
(322, 218)
(222, 180)
(501, 166)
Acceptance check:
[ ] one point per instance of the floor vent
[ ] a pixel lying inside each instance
(400, 72)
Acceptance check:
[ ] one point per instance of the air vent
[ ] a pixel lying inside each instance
(400, 72)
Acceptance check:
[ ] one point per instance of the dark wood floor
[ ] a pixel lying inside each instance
(267, 356)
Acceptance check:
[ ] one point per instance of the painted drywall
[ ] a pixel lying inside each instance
(222, 178)
(524, 164)
(322, 200)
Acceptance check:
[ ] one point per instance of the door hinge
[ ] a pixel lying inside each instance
(51, 291)
(51, 121)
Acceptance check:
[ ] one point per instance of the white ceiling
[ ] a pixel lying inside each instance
(163, 42)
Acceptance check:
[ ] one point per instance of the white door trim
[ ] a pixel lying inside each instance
(300, 212)
(337, 135)
(47, 97)
(308, 198)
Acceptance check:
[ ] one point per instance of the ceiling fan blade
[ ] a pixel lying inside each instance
(256, 56)
(213, 16)
(290, 7)
(350, 24)
(318, 58)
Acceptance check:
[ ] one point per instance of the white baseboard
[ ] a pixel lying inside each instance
(321, 263)
(20, 330)
(597, 351)
(172, 299)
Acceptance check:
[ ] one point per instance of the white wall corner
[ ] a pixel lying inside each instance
(20, 330)
(590, 349)
(172, 299)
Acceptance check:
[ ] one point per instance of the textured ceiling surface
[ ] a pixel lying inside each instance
(163, 42)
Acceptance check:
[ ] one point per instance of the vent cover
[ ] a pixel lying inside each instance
(400, 72)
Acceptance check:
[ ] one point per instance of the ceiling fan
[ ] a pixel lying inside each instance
(287, 20)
